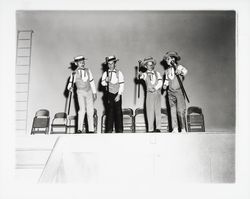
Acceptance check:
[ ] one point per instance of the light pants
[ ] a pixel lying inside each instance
(153, 109)
(85, 102)
(178, 108)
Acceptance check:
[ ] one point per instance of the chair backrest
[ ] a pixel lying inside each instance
(41, 122)
(194, 109)
(195, 119)
(139, 111)
(60, 115)
(128, 120)
(127, 111)
(42, 112)
(164, 111)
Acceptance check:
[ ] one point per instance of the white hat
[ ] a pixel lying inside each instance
(79, 58)
(111, 58)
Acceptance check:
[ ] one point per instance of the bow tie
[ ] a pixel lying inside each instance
(112, 71)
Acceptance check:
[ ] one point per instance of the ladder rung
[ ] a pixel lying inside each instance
(21, 100)
(22, 56)
(21, 91)
(20, 119)
(21, 110)
(23, 39)
(25, 31)
(23, 47)
(21, 129)
(22, 73)
(22, 65)
(22, 83)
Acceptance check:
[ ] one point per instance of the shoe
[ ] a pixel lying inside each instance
(78, 132)
(183, 131)
(150, 131)
(157, 130)
(175, 130)
(91, 132)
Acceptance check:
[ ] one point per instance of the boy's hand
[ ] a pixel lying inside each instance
(151, 89)
(178, 72)
(117, 98)
(107, 79)
(70, 89)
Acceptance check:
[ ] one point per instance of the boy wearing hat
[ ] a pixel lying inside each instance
(113, 79)
(175, 95)
(86, 92)
(153, 82)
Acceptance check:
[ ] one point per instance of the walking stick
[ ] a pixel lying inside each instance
(107, 75)
(70, 93)
(180, 82)
(139, 91)
(136, 82)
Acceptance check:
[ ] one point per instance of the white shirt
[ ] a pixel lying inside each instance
(114, 79)
(85, 77)
(153, 78)
(170, 74)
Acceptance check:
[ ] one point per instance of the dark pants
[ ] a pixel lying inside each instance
(114, 114)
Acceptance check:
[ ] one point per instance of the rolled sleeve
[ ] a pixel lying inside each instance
(159, 83)
(92, 82)
(104, 75)
(121, 83)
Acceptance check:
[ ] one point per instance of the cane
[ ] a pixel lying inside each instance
(139, 90)
(180, 82)
(107, 74)
(70, 93)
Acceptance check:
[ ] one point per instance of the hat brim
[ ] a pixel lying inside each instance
(112, 60)
(145, 62)
(80, 60)
(172, 55)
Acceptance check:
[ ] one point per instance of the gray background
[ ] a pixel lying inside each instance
(204, 39)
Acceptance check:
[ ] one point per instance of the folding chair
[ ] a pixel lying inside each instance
(164, 120)
(59, 123)
(195, 119)
(41, 122)
(128, 120)
(139, 120)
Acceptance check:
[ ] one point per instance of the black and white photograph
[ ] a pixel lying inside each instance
(135, 102)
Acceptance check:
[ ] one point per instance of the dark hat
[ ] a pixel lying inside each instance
(79, 58)
(172, 54)
(111, 58)
(149, 59)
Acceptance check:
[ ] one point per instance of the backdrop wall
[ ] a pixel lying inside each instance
(205, 41)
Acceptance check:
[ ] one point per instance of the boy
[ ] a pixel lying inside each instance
(114, 81)
(86, 92)
(153, 82)
(175, 95)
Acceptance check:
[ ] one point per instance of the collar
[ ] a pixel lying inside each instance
(80, 68)
(150, 72)
(112, 71)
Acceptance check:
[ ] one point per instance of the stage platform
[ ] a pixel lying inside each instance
(127, 158)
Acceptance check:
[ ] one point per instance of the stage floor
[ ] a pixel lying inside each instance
(127, 158)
